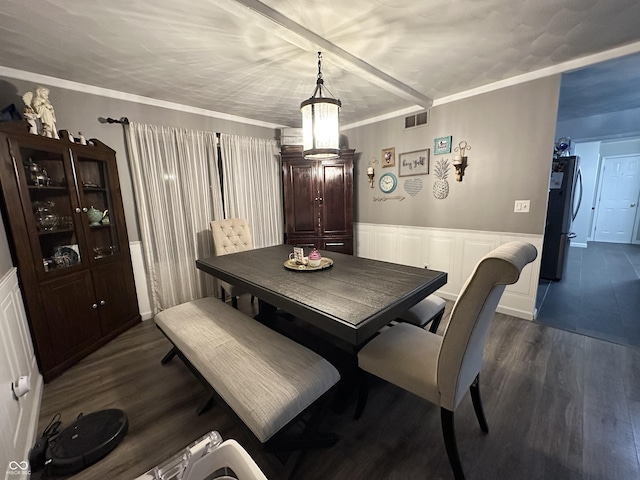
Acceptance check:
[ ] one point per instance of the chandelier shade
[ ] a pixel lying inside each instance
(320, 123)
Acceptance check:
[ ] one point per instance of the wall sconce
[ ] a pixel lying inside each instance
(320, 124)
(460, 160)
(370, 171)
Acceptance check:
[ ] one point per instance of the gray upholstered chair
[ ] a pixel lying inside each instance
(231, 235)
(429, 310)
(442, 369)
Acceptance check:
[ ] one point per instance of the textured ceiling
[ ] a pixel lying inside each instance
(609, 86)
(228, 56)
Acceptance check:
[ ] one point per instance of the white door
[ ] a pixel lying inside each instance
(618, 200)
(18, 416)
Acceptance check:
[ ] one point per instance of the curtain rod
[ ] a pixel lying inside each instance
(121, 121)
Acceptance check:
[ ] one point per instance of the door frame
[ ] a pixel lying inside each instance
(636, 222)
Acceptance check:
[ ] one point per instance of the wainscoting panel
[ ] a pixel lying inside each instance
(473, 249)
(409, 248)
(18, 416)
(385, 242)
(441, 254)
(453, 251)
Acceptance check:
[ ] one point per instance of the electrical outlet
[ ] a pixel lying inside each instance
(522, 206)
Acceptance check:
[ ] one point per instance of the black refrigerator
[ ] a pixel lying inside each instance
(561, 210)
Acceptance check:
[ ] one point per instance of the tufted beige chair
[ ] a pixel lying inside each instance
(442, 369)
(231, 235)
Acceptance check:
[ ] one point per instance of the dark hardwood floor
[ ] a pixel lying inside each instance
(559, 405)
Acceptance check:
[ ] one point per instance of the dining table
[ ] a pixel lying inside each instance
(347, 298)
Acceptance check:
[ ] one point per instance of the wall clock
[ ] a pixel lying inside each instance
(388, 182)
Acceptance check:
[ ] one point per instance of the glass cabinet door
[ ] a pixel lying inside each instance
(96, 202)
(50, 197)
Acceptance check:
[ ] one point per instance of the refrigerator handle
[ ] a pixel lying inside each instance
(577, 207)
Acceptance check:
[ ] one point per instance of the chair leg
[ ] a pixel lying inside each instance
(363, 394)
(449, 433)
(234, 302)
(222, 295)
(477, 404)
(435, 323)
(167, 358)
(252, 299)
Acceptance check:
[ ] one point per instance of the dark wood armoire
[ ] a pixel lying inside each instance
(318, 200)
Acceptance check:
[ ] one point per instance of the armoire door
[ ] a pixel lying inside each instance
(302, 196)
(336, 205)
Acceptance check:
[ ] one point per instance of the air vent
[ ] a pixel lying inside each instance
(416, 120)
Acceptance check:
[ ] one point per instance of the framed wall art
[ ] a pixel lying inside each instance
(388, 157)
(414, 163)
(442, 145)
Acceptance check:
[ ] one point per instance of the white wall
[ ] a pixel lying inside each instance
(589, 158)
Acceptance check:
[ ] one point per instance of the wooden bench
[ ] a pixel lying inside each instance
(265, 378)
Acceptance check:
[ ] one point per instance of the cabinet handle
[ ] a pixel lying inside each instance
(78, 210)
(102, 302)
(94, 306)
(85, 209)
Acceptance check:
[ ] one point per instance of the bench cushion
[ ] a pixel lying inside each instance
(266, 378)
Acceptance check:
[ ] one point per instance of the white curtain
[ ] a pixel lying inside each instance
(177, 192)
(253, 186)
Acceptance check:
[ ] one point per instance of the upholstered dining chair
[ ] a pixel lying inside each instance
(231, 235)
(442, 369)
(429, 310)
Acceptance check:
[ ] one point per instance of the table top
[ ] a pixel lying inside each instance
(352, 299)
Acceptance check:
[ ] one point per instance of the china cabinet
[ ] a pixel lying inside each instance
(318, 200)
(63, 214)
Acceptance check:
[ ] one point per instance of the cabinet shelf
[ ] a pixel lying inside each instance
(55, 231)
(48, 188)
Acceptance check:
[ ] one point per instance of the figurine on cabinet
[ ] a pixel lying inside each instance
(46, 114)
(29, 113)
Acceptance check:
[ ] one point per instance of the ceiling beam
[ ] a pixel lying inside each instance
(307, 40)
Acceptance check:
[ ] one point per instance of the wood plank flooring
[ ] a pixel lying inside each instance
(559, 405)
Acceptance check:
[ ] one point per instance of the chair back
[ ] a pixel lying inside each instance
(231, 235)
(460, 357)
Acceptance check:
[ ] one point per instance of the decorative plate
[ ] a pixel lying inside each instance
(292, 265)
(66, 256)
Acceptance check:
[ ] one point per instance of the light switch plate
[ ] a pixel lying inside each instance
(522, 206)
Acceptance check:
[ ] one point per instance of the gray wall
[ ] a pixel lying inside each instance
(511, 133)
(76, 111)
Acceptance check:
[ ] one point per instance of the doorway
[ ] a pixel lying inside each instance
(617, 205)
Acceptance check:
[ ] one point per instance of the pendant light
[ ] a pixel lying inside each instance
(320, 125)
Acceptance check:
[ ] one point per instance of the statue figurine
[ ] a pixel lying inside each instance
(46, 114)
(29, 113)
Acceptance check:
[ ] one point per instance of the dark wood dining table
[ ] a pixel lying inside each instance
(351, 300)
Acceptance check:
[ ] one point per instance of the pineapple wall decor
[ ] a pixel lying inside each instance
(441, 185)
